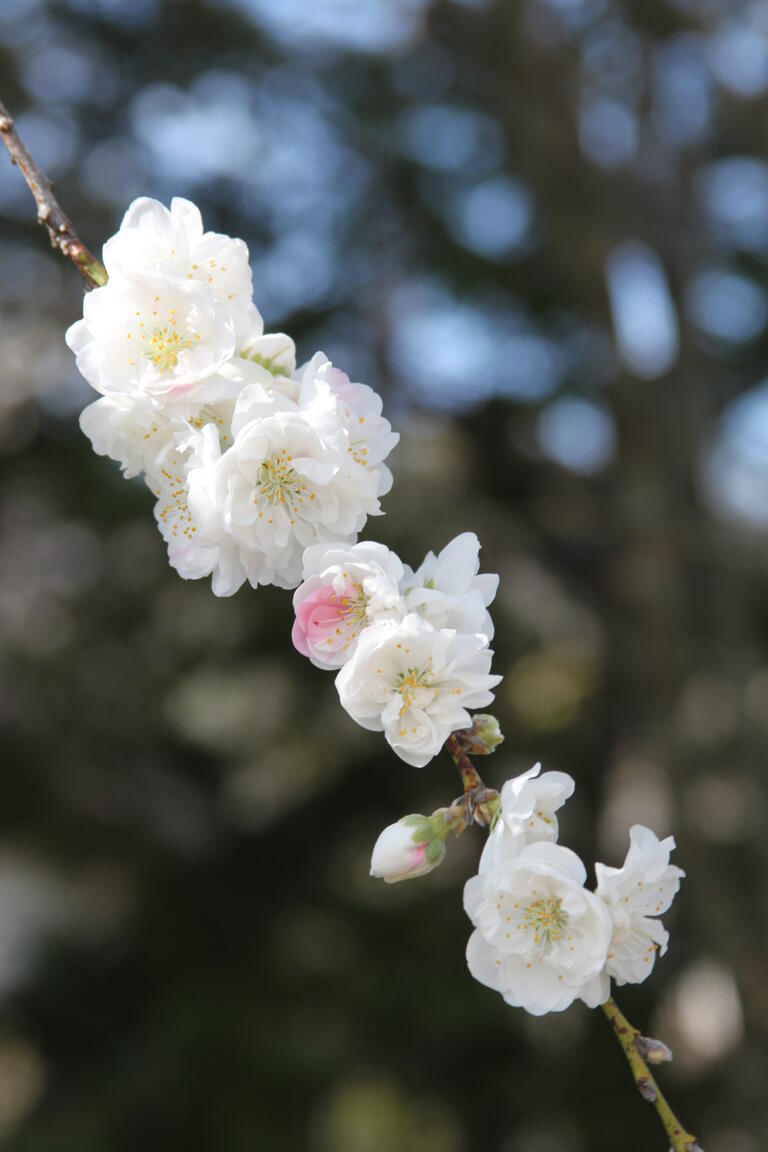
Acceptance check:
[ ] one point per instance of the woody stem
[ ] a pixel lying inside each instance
(628, 1036)
(469, 775)
(49, 212)
(481, 805)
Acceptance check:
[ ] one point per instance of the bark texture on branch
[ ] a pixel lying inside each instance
(634, 1045)
(49, 212)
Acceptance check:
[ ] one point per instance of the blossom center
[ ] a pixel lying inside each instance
(208, 416)
(353, 606)
(545, 917)
(160, 340)
(163, 346)
(278, 483)
(173, 510)
(411, 685)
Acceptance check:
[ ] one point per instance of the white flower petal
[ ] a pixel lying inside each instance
(418, 681)
(635, 894)
(541, 938)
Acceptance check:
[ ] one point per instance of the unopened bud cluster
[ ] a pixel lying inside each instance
(482, 738)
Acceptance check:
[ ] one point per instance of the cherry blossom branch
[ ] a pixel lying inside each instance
(49, 212)
(398, 639)
(639, 1051)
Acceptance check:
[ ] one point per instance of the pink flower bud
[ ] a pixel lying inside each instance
(406, 850)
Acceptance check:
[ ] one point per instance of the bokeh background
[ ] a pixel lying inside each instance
(540, 229)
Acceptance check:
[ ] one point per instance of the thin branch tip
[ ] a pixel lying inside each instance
(50, 214)
(638, 1049)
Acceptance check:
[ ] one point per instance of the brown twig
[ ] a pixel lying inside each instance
(481, 803)
(49, 211)
(637, 1049)
(469, 775)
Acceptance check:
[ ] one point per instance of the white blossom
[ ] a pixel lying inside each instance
(140, 437)
(541, 938)
(276, 490)
(406, 850)
(369, 436)
(171, 245)
(130, 431)
(345, 588)
(529, 804)
(261, 392)
(144, 336)
(415, 683)
(169, 481)
(635, 895)
(186, 553)
(447, 590)
(251, 460)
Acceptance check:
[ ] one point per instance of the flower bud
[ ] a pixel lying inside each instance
(653, 1051)
(407, 849)
(482, 738)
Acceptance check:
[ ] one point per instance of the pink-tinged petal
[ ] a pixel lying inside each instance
(299, 638)
(325, 615)
(342, 386)
(305, 610)
(322, 619)
(418, 853)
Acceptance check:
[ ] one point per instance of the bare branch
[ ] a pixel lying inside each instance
(637, 1050)
(49, 212)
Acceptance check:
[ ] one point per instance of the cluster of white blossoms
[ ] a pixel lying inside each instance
(251, 459)
(541, 938)
(265, 472)
(412, 648)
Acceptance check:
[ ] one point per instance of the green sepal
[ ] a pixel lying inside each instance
(435, 851)
(421, 825)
